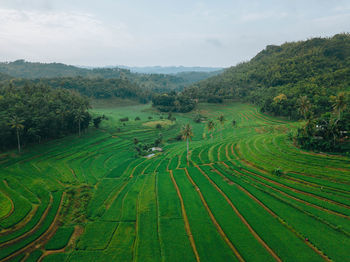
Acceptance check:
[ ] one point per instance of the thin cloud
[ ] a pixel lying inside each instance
(54, 34)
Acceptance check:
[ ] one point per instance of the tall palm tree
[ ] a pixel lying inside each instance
(304, 106)
(210, 127)
(187, 135)
(16, 123)
(79, 117)
(340, 102)
(221, 120)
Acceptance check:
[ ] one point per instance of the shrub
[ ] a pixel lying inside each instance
(277, 172)
(97, 121)
(124, 119)
(137, 118)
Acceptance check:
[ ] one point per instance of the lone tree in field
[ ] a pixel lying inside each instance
(210, 127)
(234, 123)
(16, 123)
(221, 120)
(304, 106)
(187, 135)
(339, 103)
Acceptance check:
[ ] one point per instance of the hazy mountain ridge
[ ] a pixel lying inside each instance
(154, 81)
(170, 69)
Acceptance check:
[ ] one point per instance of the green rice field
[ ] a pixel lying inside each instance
(91, 198)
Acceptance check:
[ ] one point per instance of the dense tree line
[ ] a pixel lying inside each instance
(173, 102)
(92, 87)
(32, 113)
(330, 131)
(279, 75)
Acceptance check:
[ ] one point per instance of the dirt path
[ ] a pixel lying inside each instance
(43, 238)
(290, 196)
(9, 198)
(319, 252)
(184, 214)
(78, 230)
(288, 187)
(10, 242)
(245, 222)
(218, 227)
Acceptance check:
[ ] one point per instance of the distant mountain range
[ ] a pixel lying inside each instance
(170, 69)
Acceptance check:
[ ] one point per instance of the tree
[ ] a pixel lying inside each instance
(221, 120)
(304, 106)
(79, 117)
(210, 127)
(187, 135)
(234, 123)
(16, 123)
(339, 103)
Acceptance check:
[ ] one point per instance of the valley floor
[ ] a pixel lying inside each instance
(93, 199)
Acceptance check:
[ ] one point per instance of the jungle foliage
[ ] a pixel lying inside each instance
(32, 113)
(279, 75)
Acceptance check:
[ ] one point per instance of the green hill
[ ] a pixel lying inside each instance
(317, 68)
(153, 82)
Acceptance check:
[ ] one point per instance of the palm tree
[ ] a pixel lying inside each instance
(304, 106)
(79, 116)
(340, 103)
(210, 127)
(16, 123)
(221, 120)
(187, 135)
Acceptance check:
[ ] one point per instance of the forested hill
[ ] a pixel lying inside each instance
(153, 82)
(279, 75)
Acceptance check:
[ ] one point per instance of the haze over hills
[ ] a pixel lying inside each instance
(170, 69)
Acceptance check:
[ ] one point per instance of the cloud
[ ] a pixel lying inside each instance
(254, 17)
(54, 35)
(27, 4)
(214, 42)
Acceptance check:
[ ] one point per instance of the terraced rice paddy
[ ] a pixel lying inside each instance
(93, 199)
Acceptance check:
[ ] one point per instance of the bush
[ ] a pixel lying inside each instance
(277, 172)
(137, 118)
(97, 121)
(215, 99)
(158, 126)
(124, 119)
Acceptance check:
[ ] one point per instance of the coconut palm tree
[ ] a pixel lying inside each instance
(16, 123)
(79, 117)
(304, 106)
(187, 135)
(210, 127)
(339, 104)
(221, 120)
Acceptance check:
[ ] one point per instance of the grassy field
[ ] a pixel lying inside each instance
(93, 199)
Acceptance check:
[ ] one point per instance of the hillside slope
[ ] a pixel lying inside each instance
(317, 68)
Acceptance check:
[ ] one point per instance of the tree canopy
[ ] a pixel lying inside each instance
(37, 112)
(278, 76)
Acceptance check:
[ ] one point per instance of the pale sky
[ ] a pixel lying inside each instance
(160, 32)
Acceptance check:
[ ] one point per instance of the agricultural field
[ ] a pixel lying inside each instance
(246, 193)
